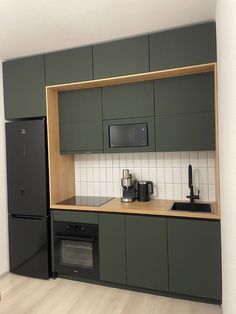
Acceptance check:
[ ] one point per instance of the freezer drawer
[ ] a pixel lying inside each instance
(29, 246)
(27, 167)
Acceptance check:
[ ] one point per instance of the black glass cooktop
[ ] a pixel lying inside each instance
(86, 200)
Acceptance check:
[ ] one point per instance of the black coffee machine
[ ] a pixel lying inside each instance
(145, 188)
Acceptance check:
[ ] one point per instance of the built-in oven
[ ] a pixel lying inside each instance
(76, 249)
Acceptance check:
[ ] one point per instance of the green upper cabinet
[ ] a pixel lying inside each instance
(24, 88)
(183, 47)
(184, 113)
(128, 100)
(69, 66)
(121, 57)
(112, 253)
(80, 121)
(194, 257)
(146, 246)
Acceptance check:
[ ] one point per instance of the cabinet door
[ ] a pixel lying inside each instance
(185, 132)
(112, 248)
(194, 257)
(183, 46)
(184, 109)
(146, 244)
(24, 88)
(184, 94)
(121, 57)
(128, 101)
(68, 66)
(80, 121)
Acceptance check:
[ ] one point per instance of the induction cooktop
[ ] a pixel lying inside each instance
(86, 200)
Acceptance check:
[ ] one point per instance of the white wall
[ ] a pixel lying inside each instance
(4, 264)
(226, 34)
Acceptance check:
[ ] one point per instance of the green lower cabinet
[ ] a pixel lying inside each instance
(194, 257)
(112, 248)
(146, 245)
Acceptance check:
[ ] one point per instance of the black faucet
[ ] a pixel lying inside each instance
(190, 184)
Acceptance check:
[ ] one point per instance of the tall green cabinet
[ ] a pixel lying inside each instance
(24, 88)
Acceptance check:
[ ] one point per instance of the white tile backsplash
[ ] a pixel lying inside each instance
(100, 174)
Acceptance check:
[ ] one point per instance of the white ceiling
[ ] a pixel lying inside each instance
(29, 27)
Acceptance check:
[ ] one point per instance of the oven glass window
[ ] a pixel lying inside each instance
(77, 253)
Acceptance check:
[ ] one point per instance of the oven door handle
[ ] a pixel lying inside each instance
(76, 238)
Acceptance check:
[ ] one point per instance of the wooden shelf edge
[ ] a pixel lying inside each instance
(193, 69)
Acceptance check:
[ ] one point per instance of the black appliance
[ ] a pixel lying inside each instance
(76, 250)
(27, 182)
(145, 188)
(128, 135)
(86, 200)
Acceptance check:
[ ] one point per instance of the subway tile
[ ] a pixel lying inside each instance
(137, 172)
(103, 189)
(83, 174)
(83, 189)
(123, 161)
(109, 175)
(168, 159)
(96, 189)
(185, 191)
(176, 159)
(153, 175)
(185, 159)
(102, 160)
(145, 174)
(160, 160)
(144, 160)
(96, 174)
(152, 160)
(137, 160)
(116, 160)
(130, 160)
(95, 162)
(89, 174)
(177, 192)
(204, 193)
(211, 175)
(212, 192)
(116, 175)
(168, 175)
(109, 189)
(89, 160)
(102, 174)
(177, 178)
(203, 159)
(160, 175)
(108, 158)
(90, 189)
(194, 159)
(211, 159)
(203, 176)
(77, 187)
(161, 191)
(184, 174)
(169, 192)
(116, 189)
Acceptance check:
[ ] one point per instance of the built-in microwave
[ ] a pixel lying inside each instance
(135, 134)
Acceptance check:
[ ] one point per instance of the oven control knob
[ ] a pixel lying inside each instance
(82, 229)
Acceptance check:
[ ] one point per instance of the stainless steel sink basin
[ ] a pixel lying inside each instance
(196, 207)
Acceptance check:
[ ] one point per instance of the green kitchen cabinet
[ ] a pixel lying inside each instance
(184, 113)
(194, 257)
(182, 47)
(128, 100)
(67, 66)
(185, 132)
(75, 216)
(24, 88)
(121, 57)
(184, 94)
(147, 121)
(112, 248)
(80, 121)
(146, 245)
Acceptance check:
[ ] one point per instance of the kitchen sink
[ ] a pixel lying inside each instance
(196, 207)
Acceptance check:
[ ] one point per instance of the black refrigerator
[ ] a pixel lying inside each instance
(28, 205)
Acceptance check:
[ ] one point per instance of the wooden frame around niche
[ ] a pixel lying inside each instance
(61, 167)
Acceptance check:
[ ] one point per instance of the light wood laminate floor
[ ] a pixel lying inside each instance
(21, 295)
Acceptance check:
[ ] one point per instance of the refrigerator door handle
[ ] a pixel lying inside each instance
(27, 217)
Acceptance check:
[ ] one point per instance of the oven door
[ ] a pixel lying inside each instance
(76, 256)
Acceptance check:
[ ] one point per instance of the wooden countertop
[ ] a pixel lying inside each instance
(153, 207)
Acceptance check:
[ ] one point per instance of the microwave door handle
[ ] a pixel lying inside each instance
(74, 237)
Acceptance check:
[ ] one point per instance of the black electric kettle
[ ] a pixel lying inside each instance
(145, 188)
